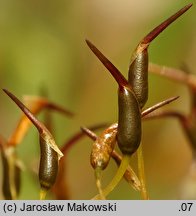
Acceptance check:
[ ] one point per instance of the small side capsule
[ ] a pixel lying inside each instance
(103, 147)
(101, 153)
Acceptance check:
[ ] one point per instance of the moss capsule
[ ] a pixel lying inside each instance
(48, 168)
(101, 152)
(50, 153)
(138, 70)
(138, 77)
(102, 147)
(129, 122)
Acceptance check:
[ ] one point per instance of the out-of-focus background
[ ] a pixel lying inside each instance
(42, 43)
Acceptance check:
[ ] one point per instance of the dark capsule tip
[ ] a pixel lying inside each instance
(176, 97)
(184, 9)
(88, 42)
(157, 30)
(90, 45)
(120, 79)
(6, 91)
(84, 129)
(26, 111)
(12, 96)
(170, 100)
(189, 5)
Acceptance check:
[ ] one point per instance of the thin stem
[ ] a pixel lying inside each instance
(168, 113)
(76, 137)
(98, 183)
(118, 176)
(129, 175)
(174, 74)
(141, 172)
(11, 162)
(89, 133)
(42, 194)
(158, 105)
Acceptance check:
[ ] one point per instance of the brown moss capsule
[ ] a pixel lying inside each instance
(101, 152)
(129, 122)
(48, 175)
(138, 70)
(50, 154)
(48, 168)
(138, 77)
(102, 147)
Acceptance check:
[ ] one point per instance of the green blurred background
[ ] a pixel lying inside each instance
(42, 43)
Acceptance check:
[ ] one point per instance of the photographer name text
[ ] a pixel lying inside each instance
(68, 207)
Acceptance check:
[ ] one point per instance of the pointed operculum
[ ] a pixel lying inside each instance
(120, 79)
(144, 43)
(26, 111)
(156, 31)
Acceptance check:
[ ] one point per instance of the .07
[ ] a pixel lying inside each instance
(185, 206)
